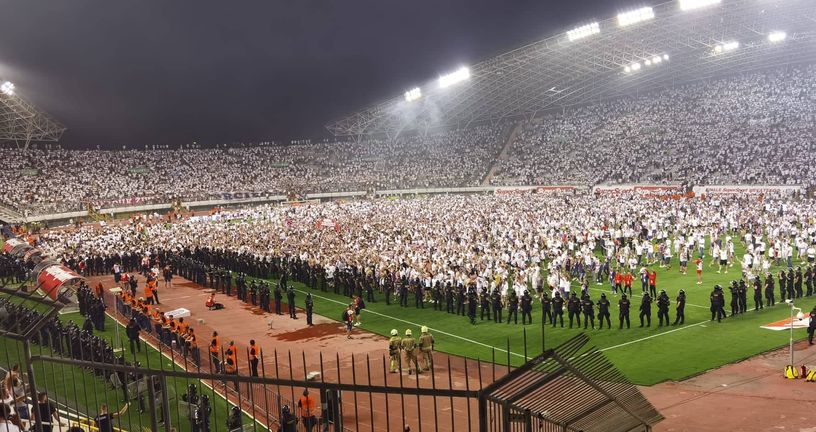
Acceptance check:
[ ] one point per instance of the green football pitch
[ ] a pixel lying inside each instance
(647, 355)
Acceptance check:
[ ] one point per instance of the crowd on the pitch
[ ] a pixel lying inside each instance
(754, 128)
(443, 251)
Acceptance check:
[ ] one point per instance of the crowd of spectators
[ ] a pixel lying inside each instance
(49, 181)
(751, 128)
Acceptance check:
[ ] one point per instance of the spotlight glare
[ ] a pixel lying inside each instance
(635, 66)
(413, 94)
(665, 56)
(583, 31)
(452, 78)
(656, 59)
(635, 16)
(7, 88)
(648, 62)
(627, 69)
(777, 36)
(686, 5)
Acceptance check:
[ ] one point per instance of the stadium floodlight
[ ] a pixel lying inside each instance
(635, 16)
(635, 66)
(697, 4)
(777, 36)
(452, 78)
(627, 69)
(583, 31)
(413, 94)
(657, 59)
(665, 56)
(725, 47)
(7, 88)
(647, 62)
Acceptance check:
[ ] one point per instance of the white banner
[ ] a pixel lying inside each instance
(746, 190)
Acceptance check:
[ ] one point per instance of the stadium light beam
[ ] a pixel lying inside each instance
(583, 31)
(686, 5)
(452, 78)
(413, 94)
(635, 16)
(778, 36)
(725, 47)
(7, 88)
(652, 61)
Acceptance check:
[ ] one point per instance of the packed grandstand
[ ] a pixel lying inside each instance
(749, 128)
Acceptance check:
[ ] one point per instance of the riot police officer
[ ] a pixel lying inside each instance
(496, 300)
(512, 307)
(526, 308)
(603, 312)
(646, 310)
(623, 311)
(558, 309)
(588, 308)
(663, 308)
(680, 308)
(574, 309)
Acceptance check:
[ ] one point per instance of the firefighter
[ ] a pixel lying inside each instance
(426, 347)
(409, 348)
(394, 347)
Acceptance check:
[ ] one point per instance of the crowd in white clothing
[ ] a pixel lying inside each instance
(754, 128)
(487, 241)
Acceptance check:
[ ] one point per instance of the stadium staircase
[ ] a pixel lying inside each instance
(502, 155)
(10, 216)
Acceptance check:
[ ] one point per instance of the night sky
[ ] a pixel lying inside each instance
(158, 72)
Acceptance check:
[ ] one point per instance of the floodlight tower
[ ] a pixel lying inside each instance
(22, 122)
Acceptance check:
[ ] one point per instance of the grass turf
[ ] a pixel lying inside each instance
(646, 355)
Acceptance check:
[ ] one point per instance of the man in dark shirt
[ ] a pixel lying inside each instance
(104, 421)
(46, 412)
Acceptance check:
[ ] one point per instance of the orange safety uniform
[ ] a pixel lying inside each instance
(307, 405)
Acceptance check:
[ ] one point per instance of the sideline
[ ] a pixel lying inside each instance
(653, 336)
(415, 324)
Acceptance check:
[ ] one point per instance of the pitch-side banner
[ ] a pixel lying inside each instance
(52, 279)
(515, 190)
(641, 189)
(745, 190)
(785, 324)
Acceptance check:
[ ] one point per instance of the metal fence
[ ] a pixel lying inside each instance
(568, 388)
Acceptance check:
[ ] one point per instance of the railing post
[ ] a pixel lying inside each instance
(482, 412)
(31, 384)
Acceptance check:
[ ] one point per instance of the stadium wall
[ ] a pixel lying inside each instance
(231, 200)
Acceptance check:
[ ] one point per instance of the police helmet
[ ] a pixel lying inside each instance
(285, 410)
(682, 291)
(408, 332)
(603, 295)
(717, 287)
(662, 291)
(424, 329)
(394, 332)
(623, 295)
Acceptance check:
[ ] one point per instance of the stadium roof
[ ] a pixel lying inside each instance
(23, 123)
(722, 37)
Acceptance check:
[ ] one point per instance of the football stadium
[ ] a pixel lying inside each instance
(512, 244)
